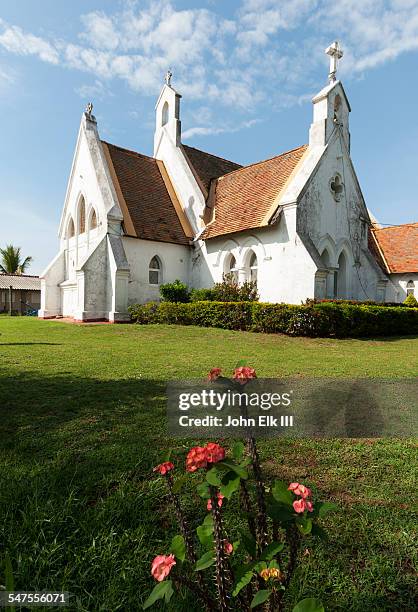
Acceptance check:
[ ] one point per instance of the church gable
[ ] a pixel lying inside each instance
(147, 205)
(248, 198)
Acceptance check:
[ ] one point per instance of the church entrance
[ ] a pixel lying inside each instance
(340, 278)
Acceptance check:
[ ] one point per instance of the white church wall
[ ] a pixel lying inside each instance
(285, 270)
(398, 286)
(175, 263)
(50, 291)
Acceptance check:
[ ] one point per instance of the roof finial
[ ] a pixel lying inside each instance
(335, 53)
(167, 77)
(89, 110)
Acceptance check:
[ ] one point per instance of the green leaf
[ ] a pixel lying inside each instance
(324, 507)
(230, 484)
(260, 598)
(213, 477)
(309, 605)
(159, 591)
(241, 363)
(205, 561)
(244, 577)
(178, 547)
(279, 512)
(272, 550)
(8, 573)
(304, 525)
(178, 484)
(281, 494)
(204, 533)
(242, 473)
(238, 450)
(249, 543)
(203, 490)
(169, 592)
(208, 520)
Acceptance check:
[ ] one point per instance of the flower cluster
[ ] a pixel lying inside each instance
(199, 456)
(271, 573)
(161, 566)
(214, 374)
(220, 502)
(244, 374)
(301, 504)
(163, 468)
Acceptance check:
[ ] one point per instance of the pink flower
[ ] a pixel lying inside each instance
(161, 566)
(309, 506)
(196, 458)
(299, 505)
(220, 502)
(228, 548)
(214, 374)
(244, 374)
(163, 468)
(214, 452)
(300, 489)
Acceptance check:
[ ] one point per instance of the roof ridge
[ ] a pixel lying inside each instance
(213, 155)
(128, 150)
(412, 224)
(262, 161)
(19, 275)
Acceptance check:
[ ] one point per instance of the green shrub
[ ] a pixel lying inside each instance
(202, 295)
(230, 291)
(323, 319)
(411, 301)
(175, 292)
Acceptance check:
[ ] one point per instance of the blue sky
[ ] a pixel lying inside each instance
(247, 71)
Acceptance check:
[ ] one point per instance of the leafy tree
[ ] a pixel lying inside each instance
(11, 261)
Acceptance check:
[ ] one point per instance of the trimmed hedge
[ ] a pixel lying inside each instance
(324, 319)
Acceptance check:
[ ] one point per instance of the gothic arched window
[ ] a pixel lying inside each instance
(71, 229)
(410, 287)
(82, 216)
(164, 115)
(232, 269)
(154, 271)
(93, 219)
(253, 268)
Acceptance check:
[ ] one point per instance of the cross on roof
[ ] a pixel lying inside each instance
(167, 77)
(335, 53)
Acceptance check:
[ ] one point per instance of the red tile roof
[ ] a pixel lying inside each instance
(398, 244)
(245, 198)
(207, 166)
(149, 212)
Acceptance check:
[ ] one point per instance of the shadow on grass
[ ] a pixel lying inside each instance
(29, 343)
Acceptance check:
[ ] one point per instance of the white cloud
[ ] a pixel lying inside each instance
(15, 40)
(100, 31)
(211, 131)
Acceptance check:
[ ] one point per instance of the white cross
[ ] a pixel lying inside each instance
(335, 53)
(167, 77)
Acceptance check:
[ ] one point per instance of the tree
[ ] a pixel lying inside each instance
(11, 262)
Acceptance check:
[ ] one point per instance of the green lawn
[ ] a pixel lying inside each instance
(82, 424)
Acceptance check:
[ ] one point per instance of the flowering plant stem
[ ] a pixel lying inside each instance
(223, 572)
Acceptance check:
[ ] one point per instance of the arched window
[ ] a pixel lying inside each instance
(232, 269)
(82, 216)
(341, 278)
(410, 287)
(154, 271)
(164, 115)
(71, 229)
(93, 219)
(253, 268)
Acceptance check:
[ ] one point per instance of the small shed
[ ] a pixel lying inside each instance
(19, 293)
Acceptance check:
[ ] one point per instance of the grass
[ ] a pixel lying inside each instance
(82, 424)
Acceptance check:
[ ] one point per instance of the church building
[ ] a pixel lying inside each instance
(297, 223)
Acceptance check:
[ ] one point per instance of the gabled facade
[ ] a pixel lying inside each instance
(296, 223)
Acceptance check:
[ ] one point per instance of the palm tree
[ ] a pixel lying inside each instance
(11, 262)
